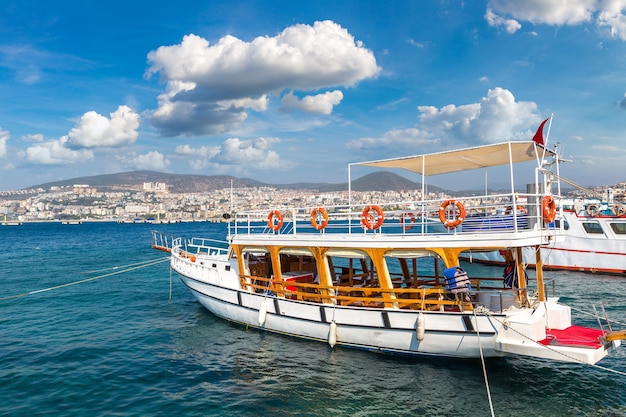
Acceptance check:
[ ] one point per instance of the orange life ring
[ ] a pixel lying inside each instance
(315, 213)
(451, 224)
(548, 209)
(369, 221)
(592, 210)
(407, 220)
(618, 210)
(270, 220)
(519, 209)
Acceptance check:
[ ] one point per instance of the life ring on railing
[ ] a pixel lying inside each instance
(592, 210)
(407, 221)
(369, 221)
(548, 209)
(618, 210)
(315, 213)
(452, 223)
(519, 209)
(275, 214)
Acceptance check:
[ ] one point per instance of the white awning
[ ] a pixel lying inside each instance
(465, 159)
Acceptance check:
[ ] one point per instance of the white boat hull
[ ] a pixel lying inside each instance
(578, 251)
(449, 334)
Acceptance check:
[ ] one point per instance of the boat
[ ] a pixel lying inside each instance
(385, 276)
(7, 222)
(594, 239)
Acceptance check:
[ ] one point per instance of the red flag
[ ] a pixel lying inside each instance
(538, 138)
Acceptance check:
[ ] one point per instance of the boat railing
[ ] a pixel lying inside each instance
(421, 298)
(476, 214)
(186, 247)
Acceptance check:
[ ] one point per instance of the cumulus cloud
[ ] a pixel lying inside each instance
(4, 136)
(239, 156)
(622, 103)
(210, 87)
(56, 152)
(153, 160)
(318, 104)
(494, 118)
(610, 13)
(94, 130)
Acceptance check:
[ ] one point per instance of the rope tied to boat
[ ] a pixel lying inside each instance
(573, 359)
(118, 270)
(482, 360)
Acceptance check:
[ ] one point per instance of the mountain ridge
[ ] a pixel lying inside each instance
(180, 183)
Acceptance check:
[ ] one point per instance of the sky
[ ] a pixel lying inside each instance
(293, 91)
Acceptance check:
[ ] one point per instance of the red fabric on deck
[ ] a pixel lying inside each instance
(573, 335)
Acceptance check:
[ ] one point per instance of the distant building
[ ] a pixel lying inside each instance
(155, 187)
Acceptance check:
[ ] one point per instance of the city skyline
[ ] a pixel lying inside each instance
(288, 92)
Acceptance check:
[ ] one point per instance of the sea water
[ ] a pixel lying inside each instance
(116, 345)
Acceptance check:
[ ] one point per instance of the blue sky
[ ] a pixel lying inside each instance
(290, 91)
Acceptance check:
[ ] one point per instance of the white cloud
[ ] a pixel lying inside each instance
(153, 160)
(94, 130)
(204, 151)
(209, 87)
(497, 117)
(37, 138)
(609, 13)
(510, 25)
(318, 104)
(238, 156)
(56, 152)
(4, 136)
(399, 139)
(622, 103)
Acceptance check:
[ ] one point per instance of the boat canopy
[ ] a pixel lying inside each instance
(506, 153)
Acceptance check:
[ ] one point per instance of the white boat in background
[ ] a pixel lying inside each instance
(594, 240)
(381, 277)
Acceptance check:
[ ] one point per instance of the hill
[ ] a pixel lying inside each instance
(180, 183)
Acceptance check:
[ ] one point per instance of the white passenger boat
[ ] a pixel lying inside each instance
(385, 276)
(594, 239)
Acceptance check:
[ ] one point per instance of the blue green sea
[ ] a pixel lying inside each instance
(115, 344)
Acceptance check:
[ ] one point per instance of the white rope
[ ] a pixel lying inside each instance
(596, 316)
(482, 360)
(56, 287)
(556, 351)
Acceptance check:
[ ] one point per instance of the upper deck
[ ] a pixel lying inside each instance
(502, 220)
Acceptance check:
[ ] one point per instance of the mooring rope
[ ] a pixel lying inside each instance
(149, 261)
(596, 316)
(482, 360)
(553, 350)
(128, 268)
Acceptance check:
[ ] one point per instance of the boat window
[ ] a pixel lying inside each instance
(295, 260)
(413, 269)
(593, 228)
(351, 268)
(619, 228)
(557, 224)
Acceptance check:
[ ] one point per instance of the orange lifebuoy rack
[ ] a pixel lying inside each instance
(452, 223)
(407, 220)
(518, 208)
(548, 209)
(275, 214)
(315, 213)
(369, 221)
